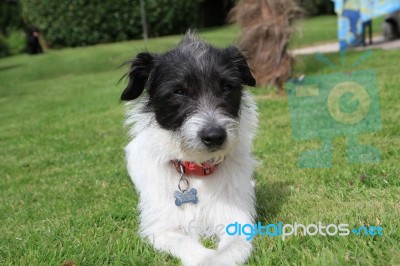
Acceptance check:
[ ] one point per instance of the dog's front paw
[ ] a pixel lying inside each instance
(200, 258)
(218, 259)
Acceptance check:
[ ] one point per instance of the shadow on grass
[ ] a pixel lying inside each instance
(3, 68)
(270, 198)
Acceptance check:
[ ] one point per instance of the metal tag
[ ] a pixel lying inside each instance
(182, 197)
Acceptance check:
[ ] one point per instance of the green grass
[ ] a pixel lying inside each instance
(310, 31)
(65, 193)
(322, 29)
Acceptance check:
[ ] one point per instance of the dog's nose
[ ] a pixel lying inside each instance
(213, 137)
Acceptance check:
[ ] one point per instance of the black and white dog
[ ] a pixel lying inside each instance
(190, 157)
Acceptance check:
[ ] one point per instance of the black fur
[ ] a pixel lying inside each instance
(138, 76)
(188, 77)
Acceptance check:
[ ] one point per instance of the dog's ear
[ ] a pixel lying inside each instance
(240, 62)
(138, 75)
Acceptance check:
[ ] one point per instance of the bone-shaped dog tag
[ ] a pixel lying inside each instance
(186, 197)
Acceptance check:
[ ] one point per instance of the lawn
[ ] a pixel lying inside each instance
(65, 194)
(312, 31)
(323, 29)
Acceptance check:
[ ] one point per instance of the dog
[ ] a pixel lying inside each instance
(190, 154)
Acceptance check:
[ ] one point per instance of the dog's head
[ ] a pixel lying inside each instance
(195, 92)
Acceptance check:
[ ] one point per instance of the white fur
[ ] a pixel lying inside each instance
(225, 197)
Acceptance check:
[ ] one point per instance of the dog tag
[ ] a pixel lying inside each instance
(186, 197)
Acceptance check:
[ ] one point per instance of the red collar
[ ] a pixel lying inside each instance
(191, 168)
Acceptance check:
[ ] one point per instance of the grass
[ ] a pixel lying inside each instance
(313, 31)
(65, 194)
(322, 29)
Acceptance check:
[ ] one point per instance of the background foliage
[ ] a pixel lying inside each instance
(82, 22)
(317, 7)
(12, 37)
(10, 16)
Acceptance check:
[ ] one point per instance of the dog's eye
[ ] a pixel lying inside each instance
(226, 88)
(180, 92)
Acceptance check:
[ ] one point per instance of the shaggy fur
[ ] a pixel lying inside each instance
(192, 90)
(266, 30)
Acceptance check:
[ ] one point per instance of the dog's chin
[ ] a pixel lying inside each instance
(203, 154)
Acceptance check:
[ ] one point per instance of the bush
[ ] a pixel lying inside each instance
(12, 38)
(82, 22)
(317, 7)
(10, 16)
(16, 41)
(3, 46)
